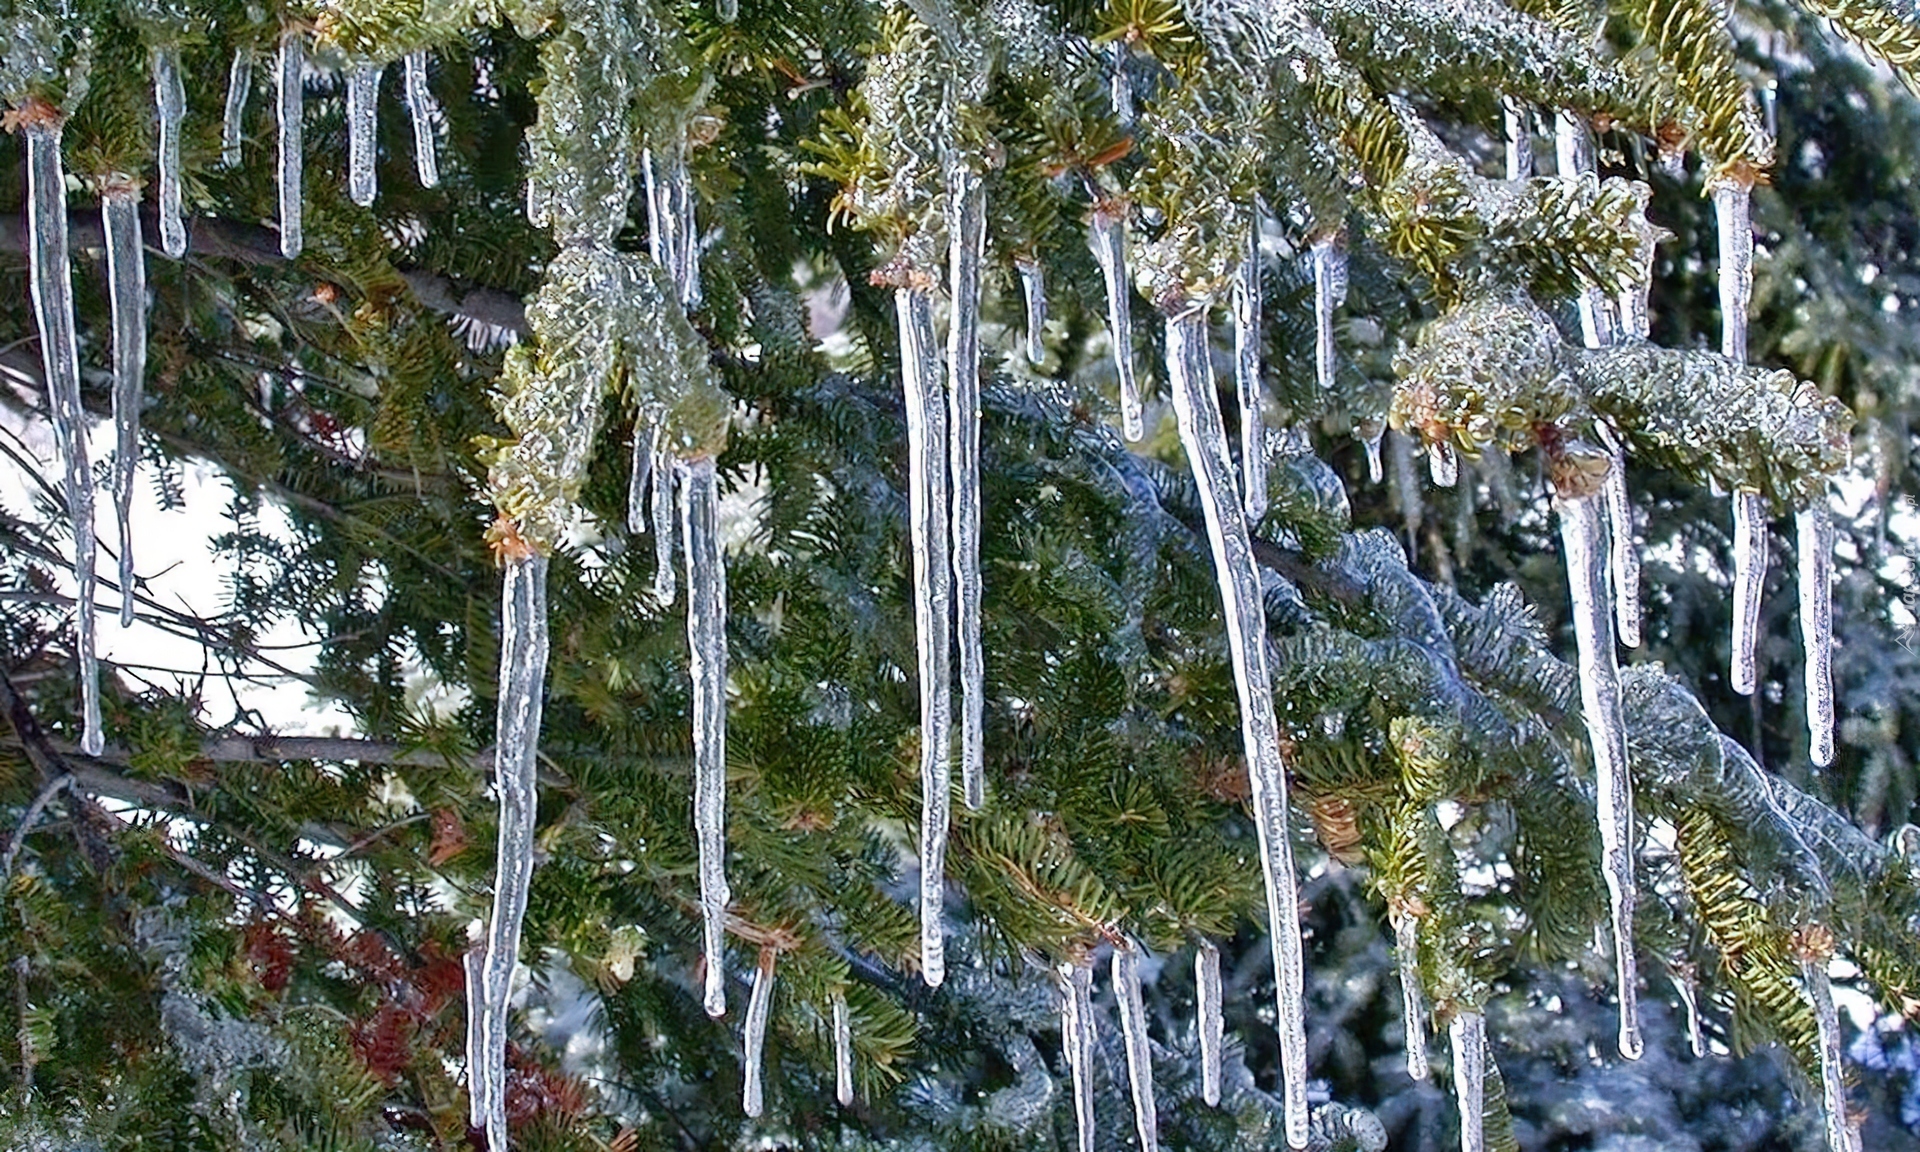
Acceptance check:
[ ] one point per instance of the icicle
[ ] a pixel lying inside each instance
(1519, 139)
(1841, 1135)
(1732, 208)
(967, 228)
(1815, 531)
(1033, 285)
(523, 673)
(638, 474)
(1632, 303)
(363, 106)
(1108, 239)
(127, 298)
(1624, 555)
(1443, 464)
(1371, 433)
(729, 10)
(1246, 371)
(707, 649)
(1206, 983)
(422, 109)
(170, 101)
(1690, 1001)
(1329, 290)
(52, 290)
(292, 67)
(672, 236)
(1190, 373)
(1133, 1033)
(1076, 1040)
(664, 587)
(754, 1035)
(1749, 575)
(1584, 546)
(1119, 85)
(1572, 147)
(1406, 943)
(233, 122)
(842, 1051)
(932, 609)
(481, 1090)
(1468, 1033)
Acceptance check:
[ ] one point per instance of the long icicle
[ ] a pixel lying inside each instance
(1468, 1033)
(1108, 239)
(1033, 286)
(422, 110)
(291, 71)
(1190, 372)
(1133, 1034)
(1406, 942)
(707, 649)
(1076, 1041)
(1246, 374)
(842, 1051)
(1443, 464)
(1815, 530)
(363, 116)
(170, 102)
(1733, 208)
(51, 286)
(932, 608)
(127, 300)
(967, 229)
(523, 673)
(233, 121)
(1329, 290)
(1583, 543)
(753, 1037)
(1212, 1027)
(1841, 1134)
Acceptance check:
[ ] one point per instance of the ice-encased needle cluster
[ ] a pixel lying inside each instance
(753, 1036)
(1841, 1134)
(1329, 291)
(1133, 1035)
(1583, 543)
(1033, 286)
(1190, 374)
(920, 362)
(422, 111)
(363, 107)
(170, 102)
(290, 70)
(127, 304)
(707, 649)
(523, 674)
(1107, 236)
(1246, 375)
(1076, 1041)
(1406, 943)
(1750, 547)
(842, 1051)
(51, 286)
(1814, 529)
(1467, 1032)
(967, 229)
(233, 121)
(1212, 1025)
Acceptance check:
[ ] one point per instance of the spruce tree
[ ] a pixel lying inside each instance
(915, 506)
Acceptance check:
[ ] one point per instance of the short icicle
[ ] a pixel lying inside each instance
(1519, 138)
(170, 101)
(753, 1037)
(233, 121)
(1468, 1033)
(1133, 1033)
(672, 235)
(967, 228)
(1732, 211)
(1108, 238)
(1406, 944)
(1371, 434)
(127, 300)
(523, 674)
(291, 70)
(1750, 547)
(1329, 291)
(1814, 525)
(1246, 375)
(1212, 1026)
(665, 587)
(51, 286)
(932, 608)
(1443, 464)
(707, 650)
(1573, 150)
(1076, 1041)
(1582, 538)
(639, 474)
(1033, 286)
(422, 110)
(842, 1051)
(363, 107)
(1190, 372)
(1690, 1002)
(1841, 1134)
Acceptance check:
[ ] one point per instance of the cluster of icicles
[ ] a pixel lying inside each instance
(51, 284)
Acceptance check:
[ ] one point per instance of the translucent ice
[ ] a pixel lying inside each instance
(1519, 138)
(1206, 982)
(127, 300)
(842, 1051)
(1624, 555)
(754, 1035)
(967, 227)
(290, 71)
(707, 651)
(1108, 238)
(1750, 546)
(1033, 285)
(1329, 289)
(664, 586)
(1406, 943)
(1133, 1033)
(1841, 1134)
(1732, 210)
(1443, 464)
(170, 100)
(1246, 374)
(1076, 1040)
(422, 110)
(1468, 1033)
(1815, 549)
(233, 122)
(363, 105)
